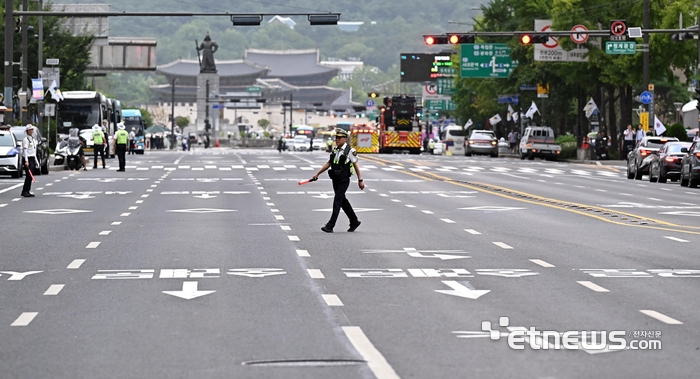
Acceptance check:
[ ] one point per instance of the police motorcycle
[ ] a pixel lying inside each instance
(68, 151)
(601, 148)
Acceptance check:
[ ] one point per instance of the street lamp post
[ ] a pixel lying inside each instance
(678, 110)
(172, 111)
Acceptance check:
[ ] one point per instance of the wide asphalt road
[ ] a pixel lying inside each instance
(212, 264)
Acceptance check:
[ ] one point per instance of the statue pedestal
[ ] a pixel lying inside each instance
(203, 94)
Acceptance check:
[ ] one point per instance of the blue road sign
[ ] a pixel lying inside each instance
(370, 103)
(527, 87)
(646, 97)
(506, 99)
(217, 106)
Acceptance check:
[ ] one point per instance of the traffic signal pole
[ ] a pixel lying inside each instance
(645, 56)
(9, 48)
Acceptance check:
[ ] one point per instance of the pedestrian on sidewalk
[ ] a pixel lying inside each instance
(343, 163)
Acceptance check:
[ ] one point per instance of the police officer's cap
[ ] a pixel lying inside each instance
(29, 127)
(121, 126)
(95, 127)
(341, 133)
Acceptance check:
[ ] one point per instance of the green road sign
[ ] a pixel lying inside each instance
(253, 89)
(444, 86)
(440, 105)
(486, 60)
(619, 47)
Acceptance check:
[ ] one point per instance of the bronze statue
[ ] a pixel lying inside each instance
(208, 48)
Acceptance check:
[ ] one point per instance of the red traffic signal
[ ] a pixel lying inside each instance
(435, 40)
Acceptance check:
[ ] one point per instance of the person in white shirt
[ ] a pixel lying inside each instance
(628, 141)
(132, 137)
(29, 154)
(640, 133)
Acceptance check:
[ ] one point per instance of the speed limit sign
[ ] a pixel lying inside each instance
(578, 35)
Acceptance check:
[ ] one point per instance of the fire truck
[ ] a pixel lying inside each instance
(400, 130)
(364, 138)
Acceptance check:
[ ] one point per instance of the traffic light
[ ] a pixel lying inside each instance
(207, 125)
(527, 39)
(373, 95)
(455, 39)
(18, 25)
(680, 37)
(435, 40)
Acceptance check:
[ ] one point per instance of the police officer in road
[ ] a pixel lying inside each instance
(98, 144)
(342, 164)
(29, 154)
(122, 141)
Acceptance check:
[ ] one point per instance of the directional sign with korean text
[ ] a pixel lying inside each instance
(613, 47)
(440, 105)
(486, 60)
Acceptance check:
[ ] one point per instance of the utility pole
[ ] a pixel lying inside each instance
(9, 47)
(645, 56)
(25, 63)
(172, 107)
(291, 109)
(40, 56)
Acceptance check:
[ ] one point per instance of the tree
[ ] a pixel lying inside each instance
(264, 123)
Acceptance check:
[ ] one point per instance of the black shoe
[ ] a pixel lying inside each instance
(25, 194)
(327, 229)
(354, 225)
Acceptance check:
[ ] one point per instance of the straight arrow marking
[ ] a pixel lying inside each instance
(462, 291)
(189, 291)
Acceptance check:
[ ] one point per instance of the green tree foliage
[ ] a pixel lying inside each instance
(72, 51)
(678, 131)
(182, 122)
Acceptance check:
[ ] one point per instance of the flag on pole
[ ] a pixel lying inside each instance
(531, 112)
(55, 92)
(590, 108)
(495, 119)
(515, 116)
(468, 124)
(659, 127)
(510, 113)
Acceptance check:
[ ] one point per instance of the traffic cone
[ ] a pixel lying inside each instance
(217, 143)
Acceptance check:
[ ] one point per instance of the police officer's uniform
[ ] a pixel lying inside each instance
(340, 168)
(98, 140)
(121, 146)
(29, 153)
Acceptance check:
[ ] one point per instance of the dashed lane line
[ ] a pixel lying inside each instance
(471, 231)
(76, 264)
(117, 223)
(592, 286)
(105, 232)
(661, 317)
(332, 300)
(676, 239)
(541, 263)
(303, 253)
(285, 227)
(54, 289)
(502, 245)
(375, 360)
(315, 273)
(293, 238)
(24, 319)
(92, 245)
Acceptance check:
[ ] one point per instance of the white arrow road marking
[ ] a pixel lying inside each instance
(189, 291)
(462, 291)
(205, 196)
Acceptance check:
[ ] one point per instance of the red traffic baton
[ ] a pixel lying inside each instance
(32, 175)
(307, 181)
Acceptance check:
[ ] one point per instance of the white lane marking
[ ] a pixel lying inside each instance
(3, 205)
(11, 188)
(654, 199)
(75, 264)
(687, 204)
(261, 188)
(665, 189)
(17, 199)
(24, 319)
(375, 360)
(263, 192)
(661, 317)
(144, 196)
(396, 200)
(49, 184)
(332, 300)
(293, 238)
(149, 190)
(133, 207)
(601, 190)
(273, 210)
(153, 186)
(427, 212)
(502, 245)
(626, 194)
(383, 195)
(54, 289)
(105, 232)
(303, 253)
(447, 220)
(278, 217)
(117, 223)
(580, 186)
(676, 239)
(471, 231)
(139, 201)
(592, 286)
(410, 206)
(270, 204)
(92, 245)
(125, 214)
(541, 263)
(315, 273)
(690, 193)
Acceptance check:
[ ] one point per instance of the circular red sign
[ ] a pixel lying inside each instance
(618, 28)
(551, 42)
(577, 35)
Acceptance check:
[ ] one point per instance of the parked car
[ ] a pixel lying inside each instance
(538, 141)
(42, 147)
(639, 159)
(690, 166)
(10, 157)
(667, 163)
(482, 142)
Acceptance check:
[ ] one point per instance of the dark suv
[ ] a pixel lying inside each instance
(639, 159)
(42, 148)
(690, 166)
